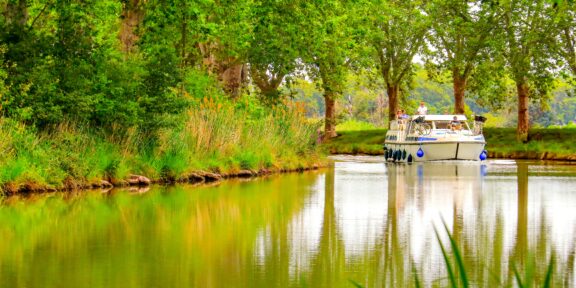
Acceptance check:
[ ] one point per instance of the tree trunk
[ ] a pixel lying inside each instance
(132, 15)
(392, 91)
(523, 116)
(232, 78)
(459, 89)
(16, 13)
(231, 74)
(330, 116)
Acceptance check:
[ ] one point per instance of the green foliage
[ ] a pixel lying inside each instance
(66, 66)
(63, 65)
(457, 268)
(3, 76)
(397, 33)
(331, 43)
(463, 32)
(525, 46)
(364, 98)
(214, 136)
(271, 57)
(565, 35)
(307, 92)
(453, 268)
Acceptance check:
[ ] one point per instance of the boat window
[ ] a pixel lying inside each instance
(442, 124)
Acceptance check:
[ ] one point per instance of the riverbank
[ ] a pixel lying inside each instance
(211, 142)
(544, 143)
(196, 177)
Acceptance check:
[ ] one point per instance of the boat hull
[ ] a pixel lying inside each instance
(434, 151)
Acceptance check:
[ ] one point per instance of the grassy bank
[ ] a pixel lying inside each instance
(213, 137)
(367, 142)
(545, 143)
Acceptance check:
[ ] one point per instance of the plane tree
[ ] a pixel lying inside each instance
(330, 41)
(462, 36)
(275, 46)
(397, 34)
(526, 33)
(566, 33)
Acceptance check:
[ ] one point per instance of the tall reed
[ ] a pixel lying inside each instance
(221, 137)
(211, 136)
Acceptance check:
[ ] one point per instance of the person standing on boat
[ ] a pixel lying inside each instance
(422, 110)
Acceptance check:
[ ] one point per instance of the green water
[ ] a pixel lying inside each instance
(362, 220)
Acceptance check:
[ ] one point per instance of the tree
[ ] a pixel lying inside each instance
(16, 15)
(64, 62)
(330, 43)
(399, 31)
(526, 32)
(566, 37)
(213, 35)
(462, 35)
(226, 31)
(133, 12)
(275, 47)
(51, 50)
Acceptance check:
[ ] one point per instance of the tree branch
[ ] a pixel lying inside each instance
(39, 14)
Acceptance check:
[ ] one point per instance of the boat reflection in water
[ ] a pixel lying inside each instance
(420, 197)
(370, 222)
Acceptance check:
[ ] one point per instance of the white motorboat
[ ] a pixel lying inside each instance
(435, 137)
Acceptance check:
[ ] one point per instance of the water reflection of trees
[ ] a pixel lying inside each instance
(173, 237)
(491, 236)
(329, 262)
(287, 231)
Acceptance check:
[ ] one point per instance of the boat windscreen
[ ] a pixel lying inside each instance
(442, 124)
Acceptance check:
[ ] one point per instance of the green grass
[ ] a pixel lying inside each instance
(216, 138)
(355, 125)
(557, 143)
(357, 142)
(452, 268)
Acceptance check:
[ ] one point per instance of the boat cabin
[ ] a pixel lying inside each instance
(435, 137)
(432, 125)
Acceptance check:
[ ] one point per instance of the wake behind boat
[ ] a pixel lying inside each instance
(435, 137)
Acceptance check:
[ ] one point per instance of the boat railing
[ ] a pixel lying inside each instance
(478, 127)
(399, 128)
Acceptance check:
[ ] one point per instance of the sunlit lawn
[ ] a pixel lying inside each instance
(559, 141)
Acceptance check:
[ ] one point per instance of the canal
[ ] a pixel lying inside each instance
(361, 221)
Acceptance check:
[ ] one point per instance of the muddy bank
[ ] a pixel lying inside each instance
(196, 177)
